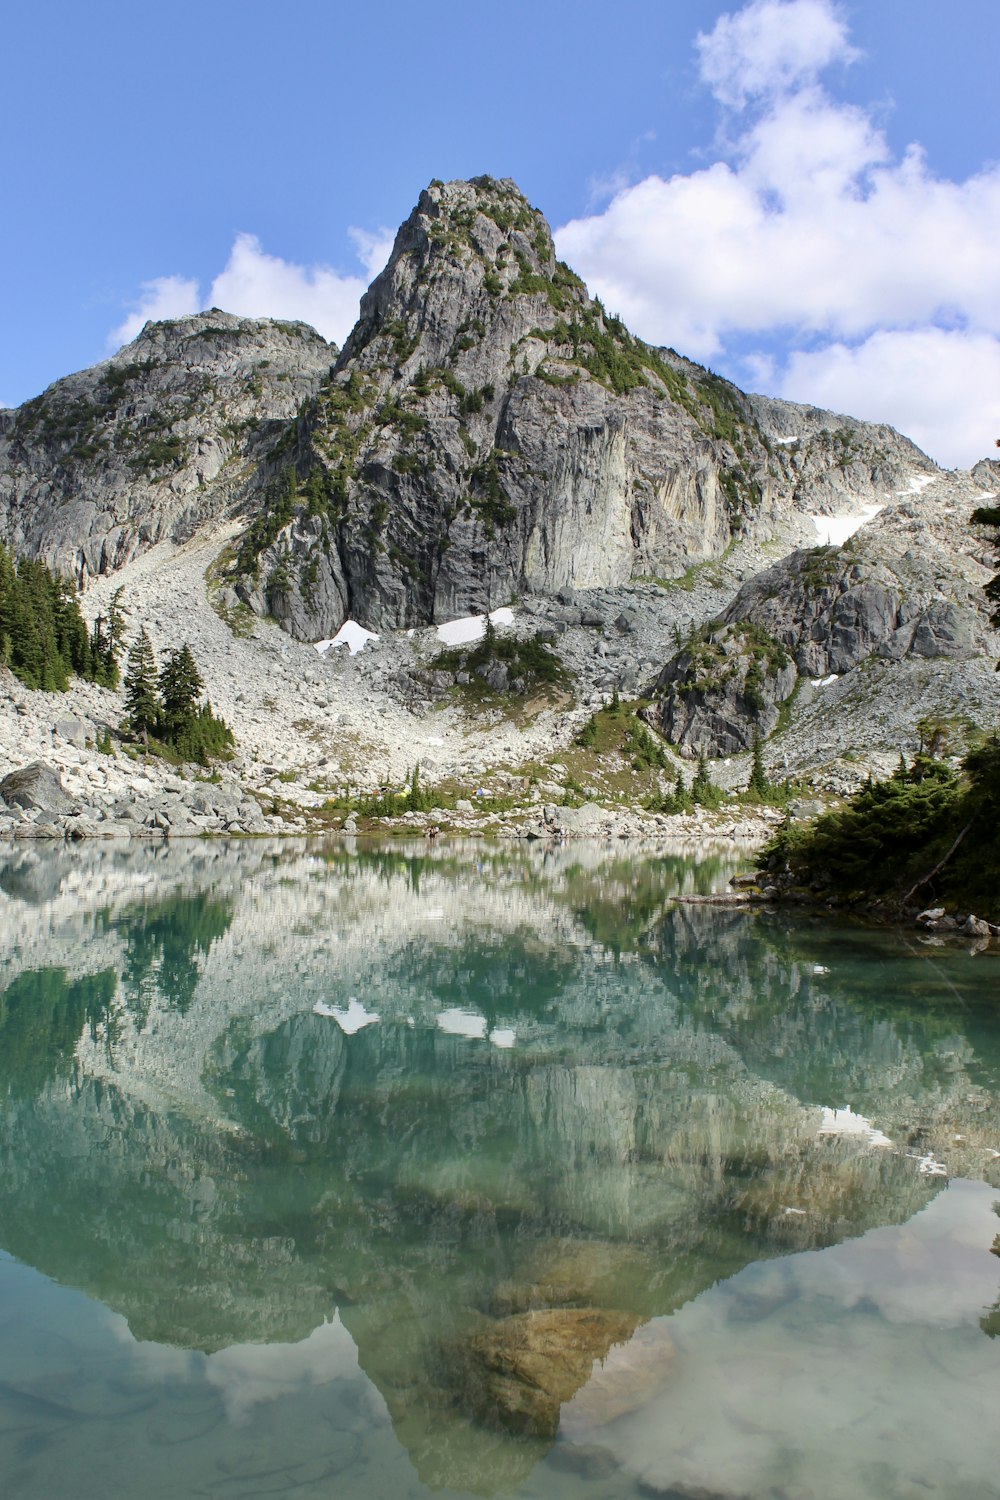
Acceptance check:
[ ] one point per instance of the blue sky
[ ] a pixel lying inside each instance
(803, 194)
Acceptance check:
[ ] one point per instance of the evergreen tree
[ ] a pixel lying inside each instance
(681, 801)
(43, 636)
(989, 515)
(180, 688)
(108, 640)
(142, 705)
(758, 785)
(703, 789)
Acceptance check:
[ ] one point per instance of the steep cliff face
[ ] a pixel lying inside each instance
(153, 442)
(489, 430)
(907, 585)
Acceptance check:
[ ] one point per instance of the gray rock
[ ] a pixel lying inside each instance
(580, 820)
(976, 927)
(72, 730)
(214, 385)
(558, 481)
(37, 785)
(820, 613)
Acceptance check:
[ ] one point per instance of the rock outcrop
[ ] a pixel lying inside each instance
(831, 463)
(155, 441)
(907, 585)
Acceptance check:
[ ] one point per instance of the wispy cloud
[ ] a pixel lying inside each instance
(771, 47)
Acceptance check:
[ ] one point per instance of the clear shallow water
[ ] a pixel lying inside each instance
(296, 1147)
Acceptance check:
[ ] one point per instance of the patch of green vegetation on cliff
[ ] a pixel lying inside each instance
(603, 346)
(276, 510)
(487, 498)
(714, 660)
(617, 729)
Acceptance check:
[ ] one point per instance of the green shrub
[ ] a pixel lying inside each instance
(890, 833)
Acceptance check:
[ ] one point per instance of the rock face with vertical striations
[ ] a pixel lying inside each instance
(489, 430)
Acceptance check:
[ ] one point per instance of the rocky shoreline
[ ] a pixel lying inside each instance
(35, 804)
(937, 925)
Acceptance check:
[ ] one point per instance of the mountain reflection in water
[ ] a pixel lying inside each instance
(449, 1152)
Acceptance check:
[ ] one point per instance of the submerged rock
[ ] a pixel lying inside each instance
(525, 1367)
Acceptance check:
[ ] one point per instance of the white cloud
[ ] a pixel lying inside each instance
(257, 285)
(163, 297)
(373, 250)
(899, 377)
(808, 230)
(771, 46)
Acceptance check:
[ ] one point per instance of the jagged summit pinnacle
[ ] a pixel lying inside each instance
(489, 430)
(465, 247)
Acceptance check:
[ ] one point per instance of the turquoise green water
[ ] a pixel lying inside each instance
(486, 1172)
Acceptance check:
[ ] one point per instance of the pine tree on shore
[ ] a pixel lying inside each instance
(758, 785)
(142, 704)
(180, 687)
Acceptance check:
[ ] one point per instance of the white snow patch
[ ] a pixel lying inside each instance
(352, 635)
(350, 1020)
(792, 439)
(472, 627)
(823, 681)
(503, 1036)
(833, 531)
(462, 1023)
(846, 1122)
(916, 483)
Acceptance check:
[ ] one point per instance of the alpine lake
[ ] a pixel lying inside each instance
(332, 1171)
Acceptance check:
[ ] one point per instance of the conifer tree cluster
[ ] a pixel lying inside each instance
(44, 639)
(163, 708)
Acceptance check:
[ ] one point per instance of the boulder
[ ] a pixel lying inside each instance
(976, 927)
(523, 1368)
(37, 785)
(74, 731)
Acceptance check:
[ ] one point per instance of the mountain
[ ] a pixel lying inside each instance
(488, 431)
(490, 435)
(152, 443)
